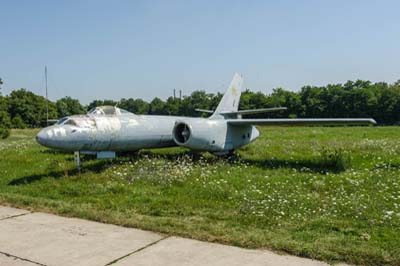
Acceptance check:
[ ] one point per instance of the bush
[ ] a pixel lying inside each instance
(4, 133)
(336, 158)
(17, 122)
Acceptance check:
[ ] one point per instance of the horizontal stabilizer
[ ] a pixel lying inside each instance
(302, 121)
(204, 111)
(254, 111)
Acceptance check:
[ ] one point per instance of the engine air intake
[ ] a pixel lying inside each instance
(181, 133)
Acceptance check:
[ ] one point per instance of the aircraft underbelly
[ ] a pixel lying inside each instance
(140, 142)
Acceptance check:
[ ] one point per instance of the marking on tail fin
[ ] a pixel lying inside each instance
(233, 90)
(231, 98)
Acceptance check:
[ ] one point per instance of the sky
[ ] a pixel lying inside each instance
(145, 49)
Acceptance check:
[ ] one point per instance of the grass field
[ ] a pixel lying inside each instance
(325, 193)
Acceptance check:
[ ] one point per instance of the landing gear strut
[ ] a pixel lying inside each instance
(77, 158)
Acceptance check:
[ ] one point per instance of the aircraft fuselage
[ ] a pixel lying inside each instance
(130, 132)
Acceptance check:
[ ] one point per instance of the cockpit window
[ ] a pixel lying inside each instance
(124, 111)
(70, 122)
(81, 122)
(96, 111)
(61, 121)
(110, 110)
(103, 110)
(107, 110)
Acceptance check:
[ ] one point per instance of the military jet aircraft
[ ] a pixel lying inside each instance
(105, 130)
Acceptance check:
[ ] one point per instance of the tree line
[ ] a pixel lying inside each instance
(381, 101)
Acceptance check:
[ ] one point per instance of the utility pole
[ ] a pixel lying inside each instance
(180, 94)
(47, 100)
(174, 94)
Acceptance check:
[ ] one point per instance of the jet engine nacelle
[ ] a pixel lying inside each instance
(206, 135)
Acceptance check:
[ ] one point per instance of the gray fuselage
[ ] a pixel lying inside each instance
(130, 132)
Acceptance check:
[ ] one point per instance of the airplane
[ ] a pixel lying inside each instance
(105, 130)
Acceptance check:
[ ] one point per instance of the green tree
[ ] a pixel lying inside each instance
(126, 104)
(96, 103)
(17, 122)
(5, 120)
(197, 100)
(136, 106)
(253, 100)
(157, 107)
(172, 106)
(214, 101)
(387, 110)
(245, 100)
(141, 107)
(312, 102)
(352, 99)
(67, 106)
(30, 107)
(283, 98)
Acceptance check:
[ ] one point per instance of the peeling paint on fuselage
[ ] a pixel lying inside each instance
(122, 132)
(129, 132)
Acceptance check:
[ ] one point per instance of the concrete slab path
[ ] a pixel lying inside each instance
(6, 212)
(29, 239)
(180, 251)
(7, 260)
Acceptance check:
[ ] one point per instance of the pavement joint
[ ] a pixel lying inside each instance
(14, 216)
(13, 256)
(136, 251)
(46, 239)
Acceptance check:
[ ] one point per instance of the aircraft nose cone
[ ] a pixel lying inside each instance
(42, 137)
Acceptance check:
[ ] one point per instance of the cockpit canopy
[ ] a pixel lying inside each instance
(82, 122)
(89, 120)
(107, 110)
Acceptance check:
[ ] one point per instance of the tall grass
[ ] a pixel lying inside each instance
(325, 193)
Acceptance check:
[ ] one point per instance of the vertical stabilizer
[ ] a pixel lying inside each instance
(231, 98)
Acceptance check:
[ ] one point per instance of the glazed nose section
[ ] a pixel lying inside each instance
(42, 137)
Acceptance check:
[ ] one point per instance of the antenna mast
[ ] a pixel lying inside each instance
(47, 100)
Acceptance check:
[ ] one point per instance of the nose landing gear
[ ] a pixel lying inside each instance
(77, 158)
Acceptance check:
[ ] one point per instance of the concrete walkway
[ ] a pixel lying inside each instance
(31, 239)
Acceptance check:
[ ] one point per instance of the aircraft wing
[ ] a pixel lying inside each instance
(204, 110)
(254, 111)
(302, 121)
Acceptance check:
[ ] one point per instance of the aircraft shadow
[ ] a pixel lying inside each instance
(388, 166)
(53, 151)
(265, 163)
(300, 165)
(95, 167)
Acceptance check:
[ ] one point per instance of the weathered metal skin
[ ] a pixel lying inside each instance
(129, 132)
(214, 135)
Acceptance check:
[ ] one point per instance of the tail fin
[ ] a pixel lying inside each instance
(231, 98)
